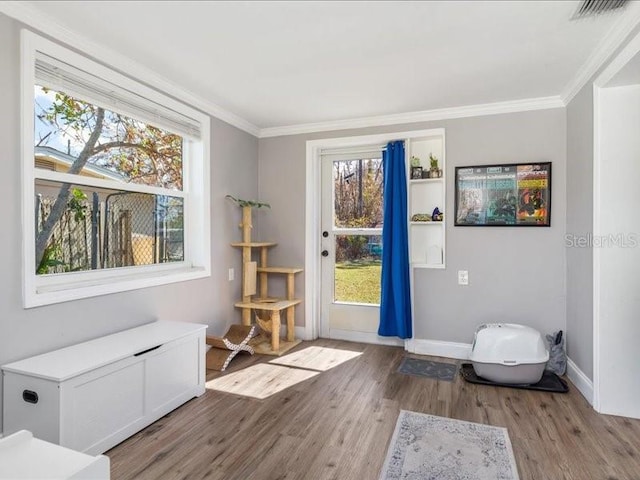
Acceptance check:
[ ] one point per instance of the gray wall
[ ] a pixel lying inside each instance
(516, 274)
(580, 223)
(28, 332)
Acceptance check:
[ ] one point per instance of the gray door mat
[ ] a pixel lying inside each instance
(550, 382)
(428, 369)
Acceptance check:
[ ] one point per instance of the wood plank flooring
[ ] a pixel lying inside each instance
(337, 425)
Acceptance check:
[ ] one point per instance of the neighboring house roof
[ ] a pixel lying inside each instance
(56, 156)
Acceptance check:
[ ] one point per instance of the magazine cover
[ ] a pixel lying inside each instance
(533, 194)
(502, 195)
(471, 198)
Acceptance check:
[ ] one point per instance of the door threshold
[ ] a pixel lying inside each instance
(364, 337)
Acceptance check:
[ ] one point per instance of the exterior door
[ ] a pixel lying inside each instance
(351, 245)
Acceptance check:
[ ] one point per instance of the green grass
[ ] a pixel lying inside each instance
(358, 282)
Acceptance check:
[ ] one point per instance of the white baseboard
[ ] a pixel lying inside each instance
(580, 380)
(365, 337)
(301, 333)
(439, 348)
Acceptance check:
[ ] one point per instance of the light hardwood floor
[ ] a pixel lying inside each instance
(337, 425)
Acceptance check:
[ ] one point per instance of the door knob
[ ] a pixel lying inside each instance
(325, 253)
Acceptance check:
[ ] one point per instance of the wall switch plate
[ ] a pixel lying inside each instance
(463, 277)
(232, 274)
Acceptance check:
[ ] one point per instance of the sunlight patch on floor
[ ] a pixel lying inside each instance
(260, 381)
(316, 358)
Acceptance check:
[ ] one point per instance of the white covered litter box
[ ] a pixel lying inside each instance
(509, 353)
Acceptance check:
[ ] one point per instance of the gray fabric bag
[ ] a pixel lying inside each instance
(557, 356)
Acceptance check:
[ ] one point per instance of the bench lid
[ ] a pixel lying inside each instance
(65, 363)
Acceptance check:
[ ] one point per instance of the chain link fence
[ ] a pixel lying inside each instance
(110, 230)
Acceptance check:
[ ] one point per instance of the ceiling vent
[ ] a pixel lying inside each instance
(589, 8)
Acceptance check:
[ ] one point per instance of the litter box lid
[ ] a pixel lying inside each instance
(508, 344)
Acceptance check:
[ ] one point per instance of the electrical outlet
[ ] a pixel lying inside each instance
(232, 274)
(463, 277)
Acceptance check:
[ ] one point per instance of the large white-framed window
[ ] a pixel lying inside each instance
(115, 180)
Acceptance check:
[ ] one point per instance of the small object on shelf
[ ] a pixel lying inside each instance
(434, 171)
(433, 162)
(416, 173)
(415, 161)
(426, 173)
(437, 215)
(421, 217)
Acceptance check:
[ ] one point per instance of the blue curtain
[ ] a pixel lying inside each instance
(395, 305)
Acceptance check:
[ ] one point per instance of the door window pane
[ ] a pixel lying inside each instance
(358, 186)
(358, 265)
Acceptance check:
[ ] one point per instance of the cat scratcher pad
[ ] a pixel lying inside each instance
(550, 382)
(224, 349)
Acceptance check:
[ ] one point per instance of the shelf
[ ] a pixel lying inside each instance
(428, 265)
(427, 223)
(254, 244)
(279, 270)
(271, 304)
(427, 180)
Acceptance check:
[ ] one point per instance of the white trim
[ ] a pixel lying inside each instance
(365, 337)
(617, 64)
(438, 348)
(618, 33)
(34, 18)
(580, 381)
(301, 333)
(124, 283)
(312, 213)
(312, 270)
(524, 105)
(106, 184)
(596, 251)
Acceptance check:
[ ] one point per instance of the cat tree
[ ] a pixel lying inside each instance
(266, 310)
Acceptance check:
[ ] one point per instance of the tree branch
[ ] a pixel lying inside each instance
(60, 205)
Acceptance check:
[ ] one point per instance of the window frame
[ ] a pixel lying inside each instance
(54, 288)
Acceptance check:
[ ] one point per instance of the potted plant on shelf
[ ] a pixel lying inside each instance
(434, 172)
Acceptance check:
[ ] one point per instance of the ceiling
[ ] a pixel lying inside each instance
(290, 63)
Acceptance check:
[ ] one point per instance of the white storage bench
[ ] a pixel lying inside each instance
(27, 458)
(93, 395)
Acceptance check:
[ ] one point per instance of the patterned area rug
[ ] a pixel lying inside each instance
(428, 368)
(436, 448)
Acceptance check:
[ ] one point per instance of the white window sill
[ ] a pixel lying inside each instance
(74, 289)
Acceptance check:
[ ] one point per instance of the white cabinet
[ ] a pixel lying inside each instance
(91, 396)
(427, 237)
(28, 458)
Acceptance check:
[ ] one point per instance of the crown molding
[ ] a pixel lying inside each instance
(32, 17)
(528, 104)
(616, 36)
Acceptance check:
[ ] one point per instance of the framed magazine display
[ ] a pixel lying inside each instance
(515, 195)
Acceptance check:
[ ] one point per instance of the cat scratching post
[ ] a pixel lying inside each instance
(270, 308)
